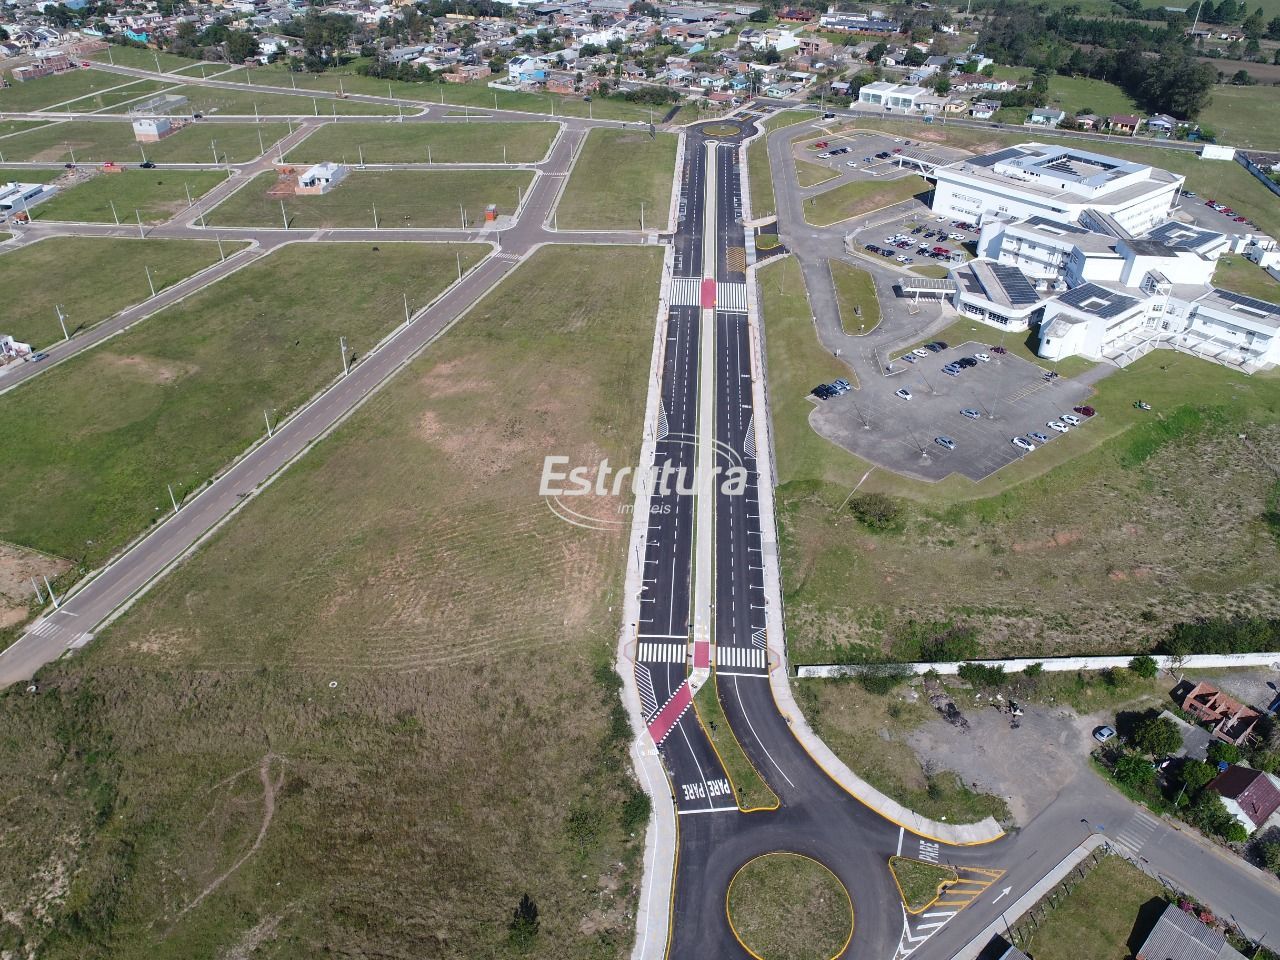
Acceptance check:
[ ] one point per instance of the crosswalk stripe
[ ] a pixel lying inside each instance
(685, 292)
(727, 656)
(663, 652)
(644, 684)
(732, 297)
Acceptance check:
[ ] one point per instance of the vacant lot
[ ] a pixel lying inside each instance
(410, 142)
(617, 172)
(141, 59)
(50, 91)
(1245, 116)
(91, 278)
(861, 196)
(1238, 274)
(402, 198)
(784, 906)
(395, 668)
(96, 439)
(150, 195)
(93, 141)
(1106, 917)
(249, 103)
(811, 174)
(856, 297)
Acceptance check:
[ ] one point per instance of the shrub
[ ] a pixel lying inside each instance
(1239, 635)
(1194, 774)
(1134, 771)
(1157, 735)
(982, 674)
(1270, 853)
(635, 810)
(1033, 670)
(1220, 752)
(878, 511)
(1144, 667)
(883, 678)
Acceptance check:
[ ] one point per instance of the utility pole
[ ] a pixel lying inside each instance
(342, 345)
(115, 216)
(504, 149)
(429, 160)
(361, 154)
(267, 417)
(284, 216)
(187, 187)
(262, 147)
(52, 596)
(462, 213)
(375, 216)
(39, 594)
(62, 319)
(642, 216)
(406, 309)
(150, 283)
(213, 145)
(72, 151)
(459, 264)
(221, 256)
(172, 498)
(141, 234)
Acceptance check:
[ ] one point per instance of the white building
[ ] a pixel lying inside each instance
(892, 96)
(151, 129)
(320, 179)
(1059, 184)
(20, 196)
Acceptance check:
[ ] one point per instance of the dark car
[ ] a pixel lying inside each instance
(940, 344)
(69, 166)
(967, 362)
(823, 391)
(886, 253)
(999, 350)
(37, 357)
(147, 165)
(933, 348)
(1085, 411)
(197, 116)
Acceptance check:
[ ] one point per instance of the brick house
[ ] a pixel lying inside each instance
(1251, 796)
(1230, 720)
(1123, 123)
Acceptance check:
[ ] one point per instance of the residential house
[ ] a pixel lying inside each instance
(1162, 123)
(1230, 720)
(524, 71)
(320, 179)
(1125, 123)
(814, 47)
(1088, 121)
(984, 109)
(1046, 117)
(797, 15)
(1179, 935)
(1251, 796)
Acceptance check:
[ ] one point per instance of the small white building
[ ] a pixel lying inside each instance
(892, 96)
(320, 179)
(151, 129)
(20, 196)
(11, 349)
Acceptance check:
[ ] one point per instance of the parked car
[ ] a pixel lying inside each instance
(951, 370)
(967, 362)
(940, 344)
(823, 391)
(945, 442)
(820, 145)
(147, 165)
(1085, 411)
(1071, 419)
(1000, 350)
(842, 384)
(1103, 734)
(1023, 444)
(1038, 437)
(851, 163)
(933, 348)
(909, 357)
(902, 393)
(920, 352)
(1057, 425)
(984, 357)
(37, 357)
(970, 413)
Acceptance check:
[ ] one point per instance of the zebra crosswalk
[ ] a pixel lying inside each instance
(644, 685)
(662, 652)
(740, 657)
(685, 292)
(731, 297)
(1137, 831)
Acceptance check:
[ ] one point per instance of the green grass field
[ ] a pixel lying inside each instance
(860, 196)
(403, 198)
(8, 127)
(759, 175)
(1238, 274)
(752, 792)
(407, 641)
(1245, 116)
(49, 91)
(1106, 917)
(811, 174)
(152, 195)
(140, 59)
(173, 399)
(242, 103)
(1074, 94)
(99, 102)
(856, 298)
(919, 882)
(95, 142)
(91, 278)
(616, 172)
(784, 906)
(409, 142)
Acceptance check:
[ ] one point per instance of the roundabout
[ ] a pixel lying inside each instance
(720, 130)
(786, 906)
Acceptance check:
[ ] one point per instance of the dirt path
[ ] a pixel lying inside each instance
(269, 787)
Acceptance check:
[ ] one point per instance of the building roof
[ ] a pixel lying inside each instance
(1252, 790)
(1097, 301)
(1178, 935)
(1246, 308)
(1181, 235)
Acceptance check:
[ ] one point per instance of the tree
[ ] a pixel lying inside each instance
(877, 51)
(1220, 752)
(1144, 667)
(759, 15)
(524, 922)
(1252, 25)
(1270, 852)
(1273, 28)
(1194, 774)
(941, 83)
(878, 510)
(1157, 735)
(1242, 79)
(1135, 772)
(241, 45)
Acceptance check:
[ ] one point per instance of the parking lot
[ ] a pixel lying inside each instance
(865, 155)
(1011, 395)
(901, 239)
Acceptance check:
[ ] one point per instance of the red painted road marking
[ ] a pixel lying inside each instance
(671, 713)
(701, 654)
(708, 294)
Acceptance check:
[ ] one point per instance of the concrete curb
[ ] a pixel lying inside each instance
(653, 911)
(1051, 665)
(775, 632)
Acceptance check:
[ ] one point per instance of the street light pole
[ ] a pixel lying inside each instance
(150, 283)
(63, 321)
(115, 216)
(172, 498)
(284, 216)
(342, 345)
(141, 234)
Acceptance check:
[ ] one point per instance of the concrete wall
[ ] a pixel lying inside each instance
(1052, 664)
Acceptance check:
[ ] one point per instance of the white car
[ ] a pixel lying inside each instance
(901, 259)
(902, 393)
(939, 218)
(1057, 425)
(897, 139)
(823, 156)
(1071, 418)
(984, 357)
(959, 237)
(920, 352)
(1023, 444)
(851, 163)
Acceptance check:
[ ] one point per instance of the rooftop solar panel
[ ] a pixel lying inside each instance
(1252, 303)
(991, 159)
(1016, 286)
(1098, 301)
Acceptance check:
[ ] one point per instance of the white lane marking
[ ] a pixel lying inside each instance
(751, 727)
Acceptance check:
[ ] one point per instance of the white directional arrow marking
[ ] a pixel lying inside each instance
(1003, 893)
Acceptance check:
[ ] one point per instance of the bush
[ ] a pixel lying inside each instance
(1134, 771)
(1220, 752)
(1239, 635)
(635, 811)
(1033, 670)
(982, 674)
(883, 678)
(1144, 667)
(1194, 774)
(1270, 853)
(878, 511)
(934, 642)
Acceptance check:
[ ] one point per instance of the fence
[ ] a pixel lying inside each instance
(1258, 172)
